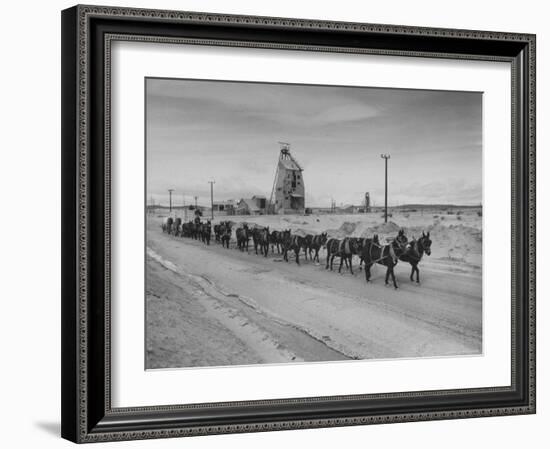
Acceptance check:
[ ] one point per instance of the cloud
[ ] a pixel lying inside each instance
(228, 131)
(346, 113)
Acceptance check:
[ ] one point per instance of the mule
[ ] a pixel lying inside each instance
(167, 223)
(243, 236)
(197, 228)
(307, 242)
(414, 253)
(217, 232)
(260, 238)
(387, 255)
(187, 229)
(255, 232)
(317, 242)
(344, 249)
(225, 233)
(276, 240)
(205, 232)
(176, 226)
(292, 243)
(401, 238)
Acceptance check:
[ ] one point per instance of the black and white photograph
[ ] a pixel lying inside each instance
(292, 223)
(275, 219)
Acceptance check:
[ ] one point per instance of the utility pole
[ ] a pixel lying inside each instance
(196, 198)
(183, 207)
(212, 197)
(386, 157)
(170, 192)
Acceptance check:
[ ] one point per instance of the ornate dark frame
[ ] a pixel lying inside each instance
(87, 33)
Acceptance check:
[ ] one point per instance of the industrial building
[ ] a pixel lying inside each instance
(288, 193)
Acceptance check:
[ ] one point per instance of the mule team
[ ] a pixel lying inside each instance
(196, 230)
(369, 250)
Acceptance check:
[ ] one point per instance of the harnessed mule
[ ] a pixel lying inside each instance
(344, 249)
(217, 232)
(197, 228)
(264, 241)
(206, 232)
(292, 242)
(276, 240)
(401, 238)
(386, 255)
(188, 229)
(260, 238)
(307, 242)
(176, 226)
(167, 224)
(225, 234)
(414, 254)
(243, 235)
(315, 244)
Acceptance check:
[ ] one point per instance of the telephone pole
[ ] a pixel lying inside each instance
(386, 157)
(183, 207)
(212, 197)
(170, 192)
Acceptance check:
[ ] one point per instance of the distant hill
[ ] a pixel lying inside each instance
(435, 206)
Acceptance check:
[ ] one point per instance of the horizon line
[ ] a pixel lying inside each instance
(345, 205)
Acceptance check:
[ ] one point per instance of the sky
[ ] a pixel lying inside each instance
(228, 132)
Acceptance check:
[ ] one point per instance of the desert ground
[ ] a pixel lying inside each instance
(212, 306)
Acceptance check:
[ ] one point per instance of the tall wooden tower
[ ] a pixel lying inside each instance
(288, 192)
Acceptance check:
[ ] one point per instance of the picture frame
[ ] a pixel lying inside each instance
(87, 411)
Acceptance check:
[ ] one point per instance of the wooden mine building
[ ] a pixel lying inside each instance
(288, 193)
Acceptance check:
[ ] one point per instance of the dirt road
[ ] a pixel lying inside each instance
(210, 306)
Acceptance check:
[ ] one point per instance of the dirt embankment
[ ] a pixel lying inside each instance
(456, 242)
